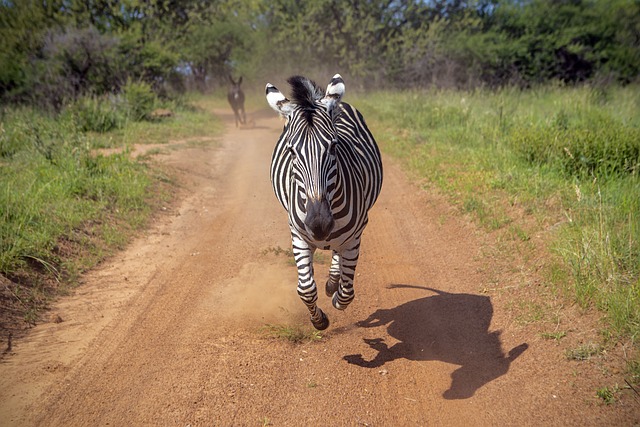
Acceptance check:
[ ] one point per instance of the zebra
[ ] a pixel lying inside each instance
(326, 171)
(235, 96)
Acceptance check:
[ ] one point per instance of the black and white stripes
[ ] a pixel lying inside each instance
(326, 172)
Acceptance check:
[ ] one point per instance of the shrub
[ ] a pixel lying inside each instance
(73, 63)
(140, 100)
(93, 114)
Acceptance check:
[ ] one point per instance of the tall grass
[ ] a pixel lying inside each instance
(63, 205)
(569, 158)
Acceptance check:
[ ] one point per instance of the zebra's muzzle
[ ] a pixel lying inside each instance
(319, 219)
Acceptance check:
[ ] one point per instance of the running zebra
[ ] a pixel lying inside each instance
(326, 172)
(235, 96)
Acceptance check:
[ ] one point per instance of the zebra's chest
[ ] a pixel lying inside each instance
(335, 241)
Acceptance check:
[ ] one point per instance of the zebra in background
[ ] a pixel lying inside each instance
(235, 96)
(326, 172)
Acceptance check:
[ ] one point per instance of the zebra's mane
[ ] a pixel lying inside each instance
(305, 94)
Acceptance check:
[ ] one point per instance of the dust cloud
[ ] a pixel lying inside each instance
(261, 292)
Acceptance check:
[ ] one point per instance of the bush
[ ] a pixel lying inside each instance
(93, 114)
(140, 100)
(74, 62)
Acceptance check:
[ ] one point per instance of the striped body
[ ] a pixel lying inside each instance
(326, 172)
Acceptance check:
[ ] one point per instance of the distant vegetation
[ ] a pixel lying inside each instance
(56, 51)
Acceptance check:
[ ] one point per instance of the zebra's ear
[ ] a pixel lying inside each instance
(278, 101)
(335, 92)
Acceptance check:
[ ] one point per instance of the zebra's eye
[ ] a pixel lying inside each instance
(292, 152)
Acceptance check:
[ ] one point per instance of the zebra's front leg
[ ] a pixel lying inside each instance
(348, 260)
(307, 291)
(333, 282)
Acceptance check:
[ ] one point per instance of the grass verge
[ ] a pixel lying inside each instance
(559, 162)
(65, 204)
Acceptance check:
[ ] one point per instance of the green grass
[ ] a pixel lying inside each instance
(530, 312)
(633, 367)
(278, 251)
(583, 352)
(557, 161)
(607, 394)
(64, 206)
(293, 333)
(556, 336)
(192, 119)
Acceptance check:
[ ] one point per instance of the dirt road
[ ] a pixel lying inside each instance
(170, 332)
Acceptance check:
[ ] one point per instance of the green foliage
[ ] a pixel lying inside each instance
(459, 44)
(601, 243)
(77, 51)
(28, 134)
(556, 336)
(324, 33)
(22, 28)
(295, 334)
(209, 47)
(633, 367)
(63, 204)
(149, 59)
(494, 151)
(140, 100)
(583, 352)
(189, 122)
(73, 63)
(94, 114)
(571, 41)
(607, 395)
(53, 53)
(52, 184)
(594, 145)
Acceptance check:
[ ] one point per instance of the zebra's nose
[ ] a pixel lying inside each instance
(319, 219)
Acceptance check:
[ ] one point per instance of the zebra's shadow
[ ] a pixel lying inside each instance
(452, 328)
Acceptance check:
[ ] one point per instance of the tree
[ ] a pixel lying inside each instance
(569, 40)
(66, 48)
(209, 49)
(22, 29)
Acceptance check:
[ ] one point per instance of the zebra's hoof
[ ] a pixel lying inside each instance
(336, 303)
(331, 288)
(322, 324)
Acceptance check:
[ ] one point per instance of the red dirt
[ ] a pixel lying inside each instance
(170, 331)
